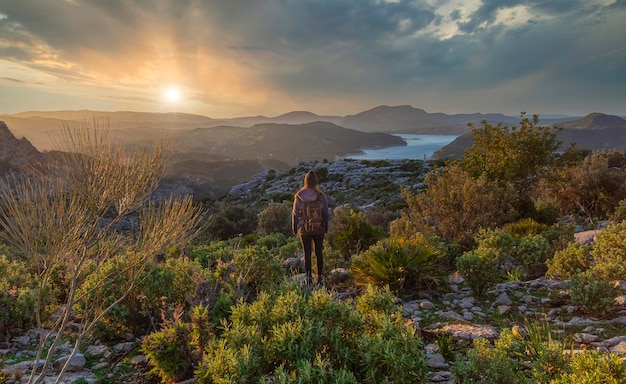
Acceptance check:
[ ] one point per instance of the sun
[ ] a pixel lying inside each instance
(172, 94)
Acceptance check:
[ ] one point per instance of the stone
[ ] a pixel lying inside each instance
(503, 299)
(425, 304)
(98, 351)
(619, 349)
(504, 309)
(138, 360)
(436, 361)
(76, 363)
(585, 337)
(124, 347)
(469, 316)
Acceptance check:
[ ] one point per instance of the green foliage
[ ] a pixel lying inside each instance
(18, 296)
(291, 337)
(609, 252)
(168, 352)
(256, 269)
(351, 233)
(159, 287)
(533, 251)
(569, 261)
(593, 367)
(275, 218)
(591, 293)
(512, 155)
(272, 241)
(404, 265)
(479, 267)
(520, 355)
(487, 365)
(455, 206)
(208, 254)
(525, 227)
(591, 189)
(620, 211)
(231, 220)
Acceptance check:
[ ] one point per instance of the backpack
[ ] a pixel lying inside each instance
(313, 217)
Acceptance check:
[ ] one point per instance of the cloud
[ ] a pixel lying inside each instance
(282, 54)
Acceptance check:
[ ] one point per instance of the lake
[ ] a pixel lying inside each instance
(418, 147)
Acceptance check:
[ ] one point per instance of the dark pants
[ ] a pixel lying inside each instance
(307, 242)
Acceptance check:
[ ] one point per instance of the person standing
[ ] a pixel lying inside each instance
(309, 220)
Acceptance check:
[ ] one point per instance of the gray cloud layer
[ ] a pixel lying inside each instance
(490, 55)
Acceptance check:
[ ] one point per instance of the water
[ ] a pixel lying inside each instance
(418, 147)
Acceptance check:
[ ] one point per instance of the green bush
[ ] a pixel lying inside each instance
(208, 254)
(161, 287)
(289, 336)
(569, 261)
(591, 293)
(609, 252)
(18, 297)
(525, 227)
(479, 267)
(533, 251)
(168, 352)
(404, 265)
(275, 218)
(593, 367)
(487, 365)
(351, 233)
(256, 269)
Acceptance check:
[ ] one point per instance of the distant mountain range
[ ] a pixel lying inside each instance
(594, 131)
(214, 154)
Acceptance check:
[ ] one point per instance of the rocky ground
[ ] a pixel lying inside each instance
(457, 314)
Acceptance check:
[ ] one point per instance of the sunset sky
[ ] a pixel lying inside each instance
(228, 58)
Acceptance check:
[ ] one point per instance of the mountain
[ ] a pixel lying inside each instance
(594, 131)
(406, 119)
(16, 155)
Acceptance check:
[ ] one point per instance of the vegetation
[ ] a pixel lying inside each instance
(86, 242)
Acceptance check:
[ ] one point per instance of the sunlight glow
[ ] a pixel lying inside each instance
(172, 94)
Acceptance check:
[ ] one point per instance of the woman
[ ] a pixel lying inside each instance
(309, 220)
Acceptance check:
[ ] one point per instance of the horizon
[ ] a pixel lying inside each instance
(333, 58)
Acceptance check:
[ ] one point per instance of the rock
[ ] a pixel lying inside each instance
(98, 351)
(425, 304)
(504, 309)
(619, 349)
(585, 338)
(292, 263)
(469, 316)
(442, 377)
(586, 237)
(138, 360)
(124, 347)
(436, 361)
(77, 363)
(503, 299)
(451, 315)
(338, 276)
(469, 332)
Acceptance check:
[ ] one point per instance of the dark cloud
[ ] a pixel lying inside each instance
(311, 50)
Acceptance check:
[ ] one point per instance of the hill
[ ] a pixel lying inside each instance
(594, 131)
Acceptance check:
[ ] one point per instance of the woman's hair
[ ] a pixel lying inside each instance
(310, 180)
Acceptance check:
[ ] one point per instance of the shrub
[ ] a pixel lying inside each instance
(591, 293)
(290, 336)
(488, 365)
(18, 297)
(168, 352)
(208, 254)
(569, 261)
(403, 265)
(525, 227)
(256, 269)
(533, 251)
(350, 233)
(275, 218)
(593, 367)
(159, 288)
(479, 267)
(609, 252)
(456, 205)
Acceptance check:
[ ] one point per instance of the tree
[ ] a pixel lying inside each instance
(65, 223)
(516, 155)
(455, 205)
